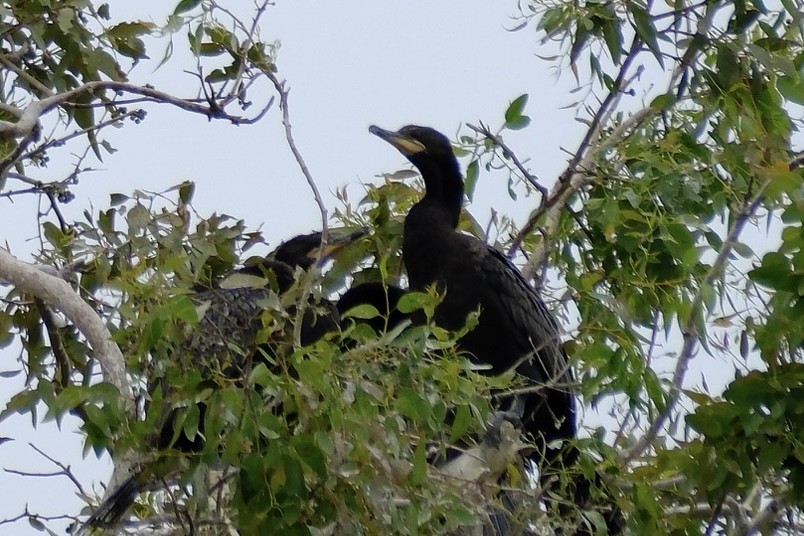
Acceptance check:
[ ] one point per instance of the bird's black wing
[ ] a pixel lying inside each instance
(517, 330)
(507, 295)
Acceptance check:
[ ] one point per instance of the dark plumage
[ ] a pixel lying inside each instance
(225, 343)
(384, 298)
(515, 329)
(230, 312)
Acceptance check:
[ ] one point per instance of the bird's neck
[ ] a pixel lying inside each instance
(444, 185)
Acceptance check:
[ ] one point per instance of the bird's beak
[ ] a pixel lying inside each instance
(336, 241)
(404, 144)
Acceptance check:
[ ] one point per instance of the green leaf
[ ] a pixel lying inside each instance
(743, 250)
(84, 115)
(186, 5)
(663, 102)
(37, 524)
(216, 75)
(643, 24)
(65, 19)
(6, 335)
(126, 30)
(791, 89)
(413, 301)
(519, 123)
(515, 109)
(186, 191)
(55, 236)
(22, 402)
(210, 49)
(137, 218)
(461, 423)
(612, 34)
(293, 477)
(410, 404)
(705, 424)
(117, 199)
(472, 173)
(182, 308)
(131, 47)
(418, 475)
(363, 311)
(191, 420)
(728, 68)
(309, 453)
(774, 273)
(783, 181)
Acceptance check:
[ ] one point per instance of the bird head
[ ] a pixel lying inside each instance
(417, 143)
(431, 153)
(305, 250)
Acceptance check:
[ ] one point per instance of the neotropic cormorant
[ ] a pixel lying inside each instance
(515, 328)
(230, 317)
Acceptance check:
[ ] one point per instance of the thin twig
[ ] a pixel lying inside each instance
(689, 331)
(483, 130)
(138, 114)
(66, 471)
(27, 126)
(283, 105)
(29, 79)
(565, 186)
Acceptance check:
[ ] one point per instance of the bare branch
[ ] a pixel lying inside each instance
(138, 115)
(483, 130)
(58, 294)
(689, 331)
(283, 105)
(27, 125)
(30, 80)
(565, 189)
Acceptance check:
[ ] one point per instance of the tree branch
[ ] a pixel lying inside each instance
(27, 125)
(483, 130)
(283, 105)
(58, 294)
(564, 189)
(689, 331)
(573, 176)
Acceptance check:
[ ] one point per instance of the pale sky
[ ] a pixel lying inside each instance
(349, 64)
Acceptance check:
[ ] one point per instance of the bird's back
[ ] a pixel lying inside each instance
(515, 328)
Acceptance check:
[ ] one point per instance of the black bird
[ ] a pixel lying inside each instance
(515, 329)
(230, 311)
(230, 316)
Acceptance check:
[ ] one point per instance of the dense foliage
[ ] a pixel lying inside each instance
(639, 245)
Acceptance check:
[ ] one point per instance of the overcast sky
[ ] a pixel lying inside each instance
(349, 64)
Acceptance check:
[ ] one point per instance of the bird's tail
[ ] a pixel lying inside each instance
(115, 506)
(578, 492)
